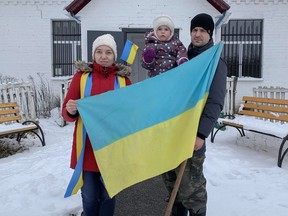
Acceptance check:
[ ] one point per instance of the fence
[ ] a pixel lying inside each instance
(24, 95)
(271, 92)
(64, 83)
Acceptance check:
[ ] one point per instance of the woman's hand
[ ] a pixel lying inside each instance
(71, 107)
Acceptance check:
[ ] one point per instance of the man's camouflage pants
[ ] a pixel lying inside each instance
(192, 190)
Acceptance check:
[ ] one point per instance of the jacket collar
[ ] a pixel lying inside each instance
(194, 51)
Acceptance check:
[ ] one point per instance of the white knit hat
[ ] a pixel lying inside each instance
(106, 39)
(163, 20)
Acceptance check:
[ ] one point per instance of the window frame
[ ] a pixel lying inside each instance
(66, 46)
(243, 41)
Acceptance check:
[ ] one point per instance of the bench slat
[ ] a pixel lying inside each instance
(8, 105)
(10, 118)
(9, 111)
(266, 100)
(267, 108)
(232, 124)
(264, 115)
(13, 131)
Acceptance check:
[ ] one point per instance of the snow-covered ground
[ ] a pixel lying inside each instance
(242, 176)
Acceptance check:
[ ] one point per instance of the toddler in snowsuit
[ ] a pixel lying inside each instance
(163, 50)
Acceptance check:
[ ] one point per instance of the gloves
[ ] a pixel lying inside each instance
(149, 55)
(182, 60)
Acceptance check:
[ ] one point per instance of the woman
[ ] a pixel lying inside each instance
(101, 76)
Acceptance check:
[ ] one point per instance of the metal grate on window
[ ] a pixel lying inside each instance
(66, 47)
(243, 47)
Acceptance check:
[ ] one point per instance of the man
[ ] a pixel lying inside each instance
(192, 194)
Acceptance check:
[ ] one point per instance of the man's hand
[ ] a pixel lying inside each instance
(198, 144)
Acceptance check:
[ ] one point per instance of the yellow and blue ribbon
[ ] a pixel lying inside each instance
(76, 181)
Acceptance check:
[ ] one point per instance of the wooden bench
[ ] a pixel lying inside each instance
(260, 115)
(10, 123)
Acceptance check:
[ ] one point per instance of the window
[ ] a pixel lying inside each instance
(66, 47)
(243, 47)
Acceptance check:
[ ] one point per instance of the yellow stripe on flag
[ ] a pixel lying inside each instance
(164, 140)
(132, 54)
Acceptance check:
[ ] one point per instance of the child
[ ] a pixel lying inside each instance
(163, 50)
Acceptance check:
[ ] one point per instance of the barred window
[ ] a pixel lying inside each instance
(66, 46)
(243, 47)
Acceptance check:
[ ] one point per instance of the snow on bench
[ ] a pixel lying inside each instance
(260, 115)
(10, 123)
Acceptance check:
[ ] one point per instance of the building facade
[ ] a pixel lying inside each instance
(43, 38)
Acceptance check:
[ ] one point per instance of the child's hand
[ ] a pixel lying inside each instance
(149, 55)
(182, 60)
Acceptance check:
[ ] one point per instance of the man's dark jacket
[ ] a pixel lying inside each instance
(215, 101)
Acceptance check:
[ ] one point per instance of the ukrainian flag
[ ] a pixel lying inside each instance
(129, 52)
(148, 128)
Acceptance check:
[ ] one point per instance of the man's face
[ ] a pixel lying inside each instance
(199, 37)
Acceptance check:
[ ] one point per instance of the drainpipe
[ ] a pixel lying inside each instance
(72, 16)
(222, 19)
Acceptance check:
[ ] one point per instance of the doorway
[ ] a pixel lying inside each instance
(138, 72)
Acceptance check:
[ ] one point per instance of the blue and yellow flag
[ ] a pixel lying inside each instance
(129, 52)
(148, 128)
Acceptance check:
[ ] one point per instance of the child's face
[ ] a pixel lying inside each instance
(163, 33)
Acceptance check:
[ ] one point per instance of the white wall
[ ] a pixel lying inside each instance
(26, 30)
(140, 14)
(26, 36)
(275, 45)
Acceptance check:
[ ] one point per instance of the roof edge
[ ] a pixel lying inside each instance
(220, 5)
(77, 5)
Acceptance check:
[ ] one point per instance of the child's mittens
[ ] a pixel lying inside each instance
(149, 55)
(182, 60)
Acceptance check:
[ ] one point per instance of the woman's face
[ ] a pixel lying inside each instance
(104, 56)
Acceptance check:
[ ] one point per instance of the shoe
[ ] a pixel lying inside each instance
(179, 210)
(192, 213)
